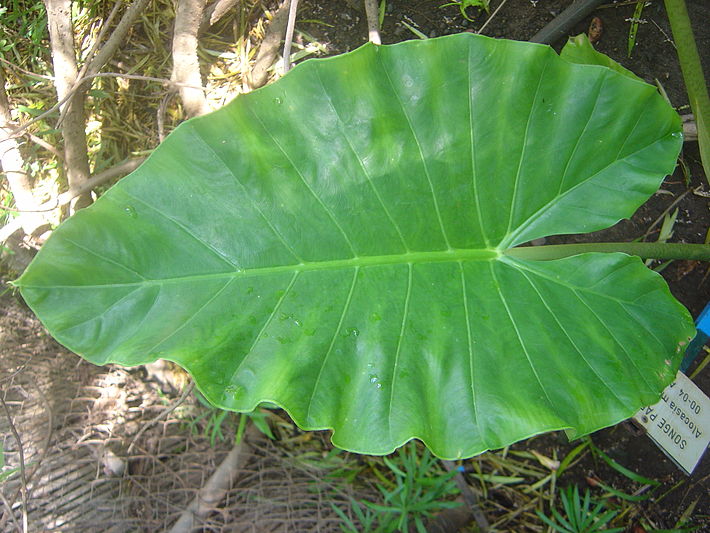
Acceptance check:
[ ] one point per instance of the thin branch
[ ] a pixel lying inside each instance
(117, 36)
(25, 71)
(163, 414)
(63, 199)
(9, 512)
(99, 38)
(23, 477)
(493, 15)
(44, 144)
(292, 8)
(21, 129)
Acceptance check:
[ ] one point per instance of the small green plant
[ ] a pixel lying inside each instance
(23, 32)
(634, 28)
(580, 515)
(463, 5)
(216, 417)
(415, 488)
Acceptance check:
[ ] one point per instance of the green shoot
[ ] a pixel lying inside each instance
(633, 30)
(463, 5)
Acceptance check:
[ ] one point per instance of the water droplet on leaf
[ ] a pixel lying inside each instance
(351, 332)
(130, 211)
(233, 390)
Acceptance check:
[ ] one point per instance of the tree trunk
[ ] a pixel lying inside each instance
(13, 166)
(186, 68)
(61, 34)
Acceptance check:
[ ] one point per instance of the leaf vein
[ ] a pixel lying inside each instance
(474, 164)
(362, 164)
(523, 149)
(405, 312)
(574, 344)
(266, 325)
(306, 184)
(470, 356)
(193, 315)
(346, 306)
(107, 259)
(520, 339)
(249, 197)
(207, 246)
(421, 153)
(616, 340)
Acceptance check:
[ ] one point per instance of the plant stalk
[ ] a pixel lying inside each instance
(692, 75)
(645, 250)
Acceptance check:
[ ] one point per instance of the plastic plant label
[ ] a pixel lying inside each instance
(679, 423)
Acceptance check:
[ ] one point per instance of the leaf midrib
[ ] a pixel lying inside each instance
(453, 255)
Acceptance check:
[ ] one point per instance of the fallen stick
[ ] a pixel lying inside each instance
(216, 487)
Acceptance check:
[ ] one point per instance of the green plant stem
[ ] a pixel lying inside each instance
(692, 75)
(645, 250)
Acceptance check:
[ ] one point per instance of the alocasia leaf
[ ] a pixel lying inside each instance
(335, 244)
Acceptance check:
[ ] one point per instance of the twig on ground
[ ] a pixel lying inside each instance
(292, 8)
(469, 497)
(23, 477)
(373, 21)
(269, 47)
(216, 487)
(493, 15)
(163, 414)
(186, 67)
(662, 215)
(50, 432)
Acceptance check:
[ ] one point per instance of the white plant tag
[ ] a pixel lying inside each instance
(680, 423)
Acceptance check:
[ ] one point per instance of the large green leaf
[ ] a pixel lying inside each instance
(335, 244)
